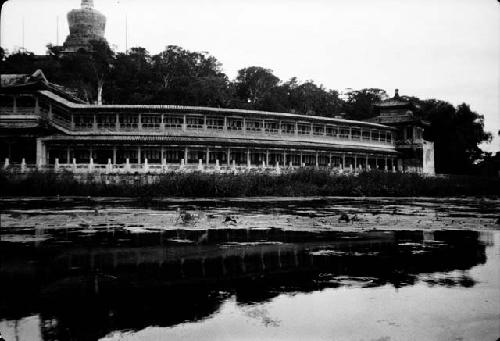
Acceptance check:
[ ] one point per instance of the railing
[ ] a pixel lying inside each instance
(91, 168)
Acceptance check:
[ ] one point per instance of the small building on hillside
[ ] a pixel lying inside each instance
(416, 154)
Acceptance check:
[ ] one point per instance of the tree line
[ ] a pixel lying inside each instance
(182, 77)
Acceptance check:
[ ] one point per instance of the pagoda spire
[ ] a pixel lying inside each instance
(87, 4)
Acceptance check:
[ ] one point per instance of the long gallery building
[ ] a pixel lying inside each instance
(44, 127)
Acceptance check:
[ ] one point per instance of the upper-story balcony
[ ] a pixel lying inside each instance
(79, 119)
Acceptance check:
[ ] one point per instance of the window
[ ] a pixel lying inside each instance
(253, 125)
(129, 121)
(271, 127)
(366, 135)
(173, 122)
(234, 123)
(409, 133)
(215, 123)
(194, 122)
(153, 155)
(375, 135)
(344, 133)
(288, 128)
(84, 121)
(356, 134)
(151, 122)
(331, 131)
(106, 121)
(318, 129)
(304, 129)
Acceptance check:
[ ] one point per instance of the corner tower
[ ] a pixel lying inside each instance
(85, 24)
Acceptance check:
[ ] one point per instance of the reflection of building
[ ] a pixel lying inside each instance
(122, 280)
(85, 24)
(45, 125)
(417, 154)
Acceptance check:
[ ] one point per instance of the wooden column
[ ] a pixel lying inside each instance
(37, 106)
(117, 122)
(14, 104)
(185, 155)
(207, 156)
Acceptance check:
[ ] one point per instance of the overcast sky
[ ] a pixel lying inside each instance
(445, 49)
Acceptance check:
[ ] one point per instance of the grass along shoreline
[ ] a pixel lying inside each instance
(304, 182)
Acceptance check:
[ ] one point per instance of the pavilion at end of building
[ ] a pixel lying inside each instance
(44, 127)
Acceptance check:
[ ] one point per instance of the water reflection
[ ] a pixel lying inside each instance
(83, 286)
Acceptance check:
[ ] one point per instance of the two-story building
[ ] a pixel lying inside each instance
(44, 126)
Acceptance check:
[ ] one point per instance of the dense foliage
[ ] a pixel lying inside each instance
(179, 76)
(304, 182)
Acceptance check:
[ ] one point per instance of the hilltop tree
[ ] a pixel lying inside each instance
(255, 85)
(359, 104)
(186, 77)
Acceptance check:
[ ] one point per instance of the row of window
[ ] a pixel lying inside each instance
(153, 122)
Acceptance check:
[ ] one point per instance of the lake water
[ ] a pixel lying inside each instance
(261, 269)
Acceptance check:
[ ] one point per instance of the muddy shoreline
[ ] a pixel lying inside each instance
(38, 216)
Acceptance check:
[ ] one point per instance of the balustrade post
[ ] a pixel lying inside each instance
(146, 166)
(73, 166)
(91, 165)
(217, 166)
(56, 165)
(23, 165)
(248, 158)
(200, 164)
(6, 163)
(14, 104)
